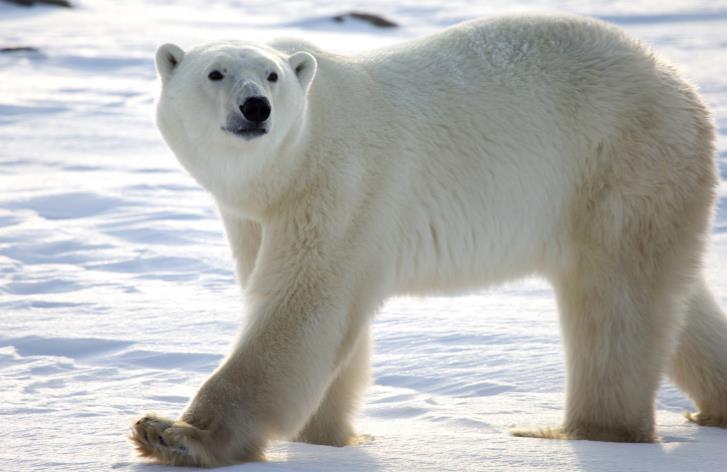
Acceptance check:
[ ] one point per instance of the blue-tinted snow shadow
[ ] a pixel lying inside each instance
(696, 451)
(70, 205)
(110, 353)
(10, 12)
(682, 17)
(144, 66)
(720, 219)
(288, 457)
(9, 113)
(74, 348)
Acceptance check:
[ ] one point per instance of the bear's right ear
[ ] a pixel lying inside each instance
(168, 58)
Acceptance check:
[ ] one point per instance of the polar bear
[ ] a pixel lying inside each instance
(498, 148)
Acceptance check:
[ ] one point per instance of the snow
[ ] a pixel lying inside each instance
(117, 292)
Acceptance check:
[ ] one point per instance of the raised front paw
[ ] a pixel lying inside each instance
(177, 442)
(170, 442)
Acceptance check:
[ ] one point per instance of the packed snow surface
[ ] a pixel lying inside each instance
(117, 291)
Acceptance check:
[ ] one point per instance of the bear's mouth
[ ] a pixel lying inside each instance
(246, 133)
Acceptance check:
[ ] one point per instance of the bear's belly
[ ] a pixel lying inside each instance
(482, 229)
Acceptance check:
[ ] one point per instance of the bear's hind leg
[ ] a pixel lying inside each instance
(618, 325)
(699, 365)
(618, 330)
(627, 262)
(331, 424)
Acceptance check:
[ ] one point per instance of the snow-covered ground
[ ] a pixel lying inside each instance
(117, 292)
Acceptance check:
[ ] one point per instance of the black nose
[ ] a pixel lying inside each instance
(256, 109)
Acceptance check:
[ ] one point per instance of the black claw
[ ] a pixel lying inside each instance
(162, 441)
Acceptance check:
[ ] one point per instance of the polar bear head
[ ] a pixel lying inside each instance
(226, 109)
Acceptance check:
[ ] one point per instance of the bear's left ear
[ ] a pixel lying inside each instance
(304, 65)
(168, 58)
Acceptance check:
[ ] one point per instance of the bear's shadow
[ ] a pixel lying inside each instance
(290, 456)
(674, 452)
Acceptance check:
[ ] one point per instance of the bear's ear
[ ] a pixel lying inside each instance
(304, 65)
(168, 58)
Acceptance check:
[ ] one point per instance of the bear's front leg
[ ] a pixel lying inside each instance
(218, 427)
(331, 424)
(300, 330)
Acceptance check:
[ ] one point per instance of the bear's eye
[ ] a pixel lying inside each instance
(273, 77)
(215, 75)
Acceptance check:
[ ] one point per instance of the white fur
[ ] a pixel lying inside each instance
(498, 148)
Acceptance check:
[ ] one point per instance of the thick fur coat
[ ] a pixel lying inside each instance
(498, 148)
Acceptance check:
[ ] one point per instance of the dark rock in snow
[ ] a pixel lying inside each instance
(18, 49)
(375, 20)
(30, 3)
